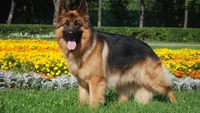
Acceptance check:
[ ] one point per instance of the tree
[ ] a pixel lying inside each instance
(186, 15)
(55, 2)
(100, 13)
(12, 9)
(141, 13)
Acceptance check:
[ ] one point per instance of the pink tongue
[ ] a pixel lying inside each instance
(71, 45)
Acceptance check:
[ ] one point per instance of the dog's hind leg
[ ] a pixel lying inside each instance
(142, 95)
(124, 93)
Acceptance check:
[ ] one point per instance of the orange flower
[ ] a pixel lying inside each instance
(195, 74)
(178, 74)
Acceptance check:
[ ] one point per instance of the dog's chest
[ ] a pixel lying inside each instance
(73, 66)
(77, 68)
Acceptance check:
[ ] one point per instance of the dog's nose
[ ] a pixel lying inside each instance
(70, 33)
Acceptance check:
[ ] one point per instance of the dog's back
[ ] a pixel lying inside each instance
(125, 50)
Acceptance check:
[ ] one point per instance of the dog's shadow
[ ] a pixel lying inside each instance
(112, 96)
(161, 98)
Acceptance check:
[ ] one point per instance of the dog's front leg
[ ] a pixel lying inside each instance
(83, 94)
(97, 87)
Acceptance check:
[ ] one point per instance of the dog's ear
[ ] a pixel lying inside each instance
(83, 9)
(62, 8)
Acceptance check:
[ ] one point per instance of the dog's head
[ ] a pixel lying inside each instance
(74, 24)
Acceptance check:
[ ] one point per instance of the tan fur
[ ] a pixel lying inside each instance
(88, 63)
(145, 78)
(143, 95)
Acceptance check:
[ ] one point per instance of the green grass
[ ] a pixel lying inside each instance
(176, 47)
(165, 42)
(66, 101)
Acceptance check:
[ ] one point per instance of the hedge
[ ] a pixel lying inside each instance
(6, 29)
(146, 34)
(157, 34)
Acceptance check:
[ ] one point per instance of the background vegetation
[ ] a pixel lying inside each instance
(157, 13)
(145, 34)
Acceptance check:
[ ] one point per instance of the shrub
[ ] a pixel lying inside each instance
(20, 28)
(157, 34)
(146, 34)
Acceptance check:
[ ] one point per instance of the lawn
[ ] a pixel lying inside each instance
(176, 47)
(66, 101)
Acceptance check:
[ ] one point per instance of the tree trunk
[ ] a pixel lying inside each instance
(55, 2)
(12, 9)
(186, 15)
(141, 13)
(100, 13)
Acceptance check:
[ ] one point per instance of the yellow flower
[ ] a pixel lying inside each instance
(55, 68)
(47, 65)
(52, 73)
(65, 67)
(48, 74)
(60, 65)
(10, 63)
(36, 66)
(58, 72)
(69, 74)
(47, 69)
(66, 72)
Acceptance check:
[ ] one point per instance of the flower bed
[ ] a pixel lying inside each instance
(181, 63)
(44, 57)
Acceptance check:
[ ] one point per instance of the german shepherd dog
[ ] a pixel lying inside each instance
(99, 60)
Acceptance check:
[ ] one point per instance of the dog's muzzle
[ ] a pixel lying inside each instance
(72, 38)
(70, 34)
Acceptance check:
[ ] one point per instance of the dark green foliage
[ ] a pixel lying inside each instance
(157, 34)
(118, 9)
(6, 29)
(146, 34)
(158, 13)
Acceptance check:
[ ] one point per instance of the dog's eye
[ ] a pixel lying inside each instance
(77, 24)
(67, 23)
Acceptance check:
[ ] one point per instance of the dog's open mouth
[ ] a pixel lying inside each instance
(72, 37)
(71, 45)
